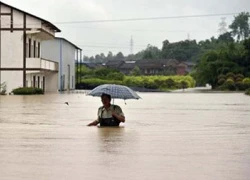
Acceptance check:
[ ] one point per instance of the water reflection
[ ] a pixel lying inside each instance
(110, 139)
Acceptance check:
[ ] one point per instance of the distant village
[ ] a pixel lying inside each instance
(146, 66)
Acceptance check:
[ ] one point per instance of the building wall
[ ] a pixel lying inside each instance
(55, 49)
(11, 52)
(51, 50)
(13, 79)
(68, 65)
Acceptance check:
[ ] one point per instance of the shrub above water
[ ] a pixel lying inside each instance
(27, 91)
(247, 92)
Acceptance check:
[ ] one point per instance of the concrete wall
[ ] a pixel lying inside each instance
(51, 50)
(13, 79)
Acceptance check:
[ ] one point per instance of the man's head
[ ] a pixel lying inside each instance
(106, 99)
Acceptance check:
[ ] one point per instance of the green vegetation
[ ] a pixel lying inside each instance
(27, 91)
(93, 78)
(226, 66)
(247, 92)
(3, 88)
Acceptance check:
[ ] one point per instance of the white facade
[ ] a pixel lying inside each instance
(21, 64)
(66, 54)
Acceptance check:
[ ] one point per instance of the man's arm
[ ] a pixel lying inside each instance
(118, 114)
(94, 123)
(119, 117)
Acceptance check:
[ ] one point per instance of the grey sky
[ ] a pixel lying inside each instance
(95, 38)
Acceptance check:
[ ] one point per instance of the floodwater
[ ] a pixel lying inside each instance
(203, 136)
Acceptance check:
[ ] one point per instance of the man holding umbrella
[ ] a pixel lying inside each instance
(108, 115)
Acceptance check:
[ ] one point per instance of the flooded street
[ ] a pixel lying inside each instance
(175, 136)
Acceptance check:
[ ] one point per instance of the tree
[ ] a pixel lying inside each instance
(3, 88)
(216, 62)
(85, 58)
(240, 26)
(102, 57)
(98, 58)
(119, 56)
(136, 71)
(222, 26)
(92, 59)
(110, 56)
(226, 37)
(151, 52)
(182, 50)
(246, 59)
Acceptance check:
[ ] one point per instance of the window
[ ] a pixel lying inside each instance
(29, 54)
(34, 47)
(38, 50)
(34, 81)
(38, 80)
(27, 50)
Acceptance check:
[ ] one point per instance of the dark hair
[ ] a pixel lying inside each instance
(107, 95)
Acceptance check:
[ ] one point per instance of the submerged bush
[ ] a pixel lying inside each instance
(27, 91)
(247, 92)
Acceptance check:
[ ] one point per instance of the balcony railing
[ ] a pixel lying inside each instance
(41, 64)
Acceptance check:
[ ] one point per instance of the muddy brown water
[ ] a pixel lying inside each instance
(175, 136)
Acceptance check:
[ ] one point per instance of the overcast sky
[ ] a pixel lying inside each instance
(95, 38)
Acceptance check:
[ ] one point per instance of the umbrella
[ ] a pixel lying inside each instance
(115, 91)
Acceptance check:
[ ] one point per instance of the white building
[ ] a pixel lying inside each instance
(65, 54)
(21, 64)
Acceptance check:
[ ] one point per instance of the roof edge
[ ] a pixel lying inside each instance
(43, 20)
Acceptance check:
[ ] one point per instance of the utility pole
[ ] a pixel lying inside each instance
(222, 26)
(188, 37)
(131, 45)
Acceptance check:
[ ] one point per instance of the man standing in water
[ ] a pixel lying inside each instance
(108, 115)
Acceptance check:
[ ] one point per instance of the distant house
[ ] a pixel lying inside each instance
(127, 67)
(181, 69)
(21, 63)
(66, 54)
(91, 65)
(152, 66)
(114, 64)
(184, 68)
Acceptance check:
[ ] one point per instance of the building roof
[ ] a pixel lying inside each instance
(150, 63)
(90, 65)
(127, 65)
(114, 64)
(43, 20)
(68, 42)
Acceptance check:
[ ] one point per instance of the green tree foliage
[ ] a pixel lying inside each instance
(3, 87)
(247, 92)
(182, 51)
(215, 63)
(27, 91)
(226, 38)
(119, 56)
(149, 82)
(136, 71)
(240, 26)
(151, 52)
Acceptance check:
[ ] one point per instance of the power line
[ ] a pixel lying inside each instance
(111, 47)
(145, 19)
